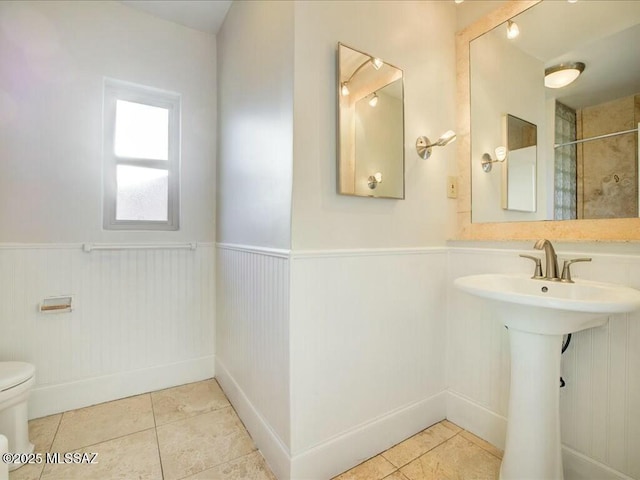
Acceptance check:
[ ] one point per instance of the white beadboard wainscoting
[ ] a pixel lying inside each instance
(142, 320)
(368, 331)
(331, 356)
(252, 349)
(600, 405)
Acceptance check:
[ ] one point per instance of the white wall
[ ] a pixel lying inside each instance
(417, 37)
(599, 404)
(142, 320)
(255, 162)
(255, 98)
(339, 313)
(54, 56)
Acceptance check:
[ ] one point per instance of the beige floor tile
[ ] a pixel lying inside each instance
(187, 400)
(42, 430)
(375, 468)
(397, 475)
(195, 444)
(482, 443)
(456, 459)
(31, 471)
(106, 421)
(248, 467)
(418, 445)
(133, 456)
(41, 433)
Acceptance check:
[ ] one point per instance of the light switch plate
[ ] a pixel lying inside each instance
(452, 187)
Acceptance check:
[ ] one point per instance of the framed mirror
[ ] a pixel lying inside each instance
(519, 170)
(578, 32)
(370, 133)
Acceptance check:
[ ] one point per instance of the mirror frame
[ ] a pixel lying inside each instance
(615, 229)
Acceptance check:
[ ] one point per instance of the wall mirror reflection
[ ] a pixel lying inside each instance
(370, 126)
(519, 171)
(587, 151)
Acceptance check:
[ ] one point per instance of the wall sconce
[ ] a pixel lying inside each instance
(373, 101)
(374, 180)
(424, 145)
(512, 30)
(487, 161)
(375, 62)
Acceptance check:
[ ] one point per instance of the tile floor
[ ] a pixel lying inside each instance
(191, 432)
(441, 452)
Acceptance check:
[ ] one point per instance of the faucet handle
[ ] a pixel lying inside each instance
(566, 271)
(538, 271)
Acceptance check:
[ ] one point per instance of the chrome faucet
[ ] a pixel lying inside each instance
(551, 264)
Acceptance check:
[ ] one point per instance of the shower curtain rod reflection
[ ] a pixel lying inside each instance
(88, 247)
(598, 137)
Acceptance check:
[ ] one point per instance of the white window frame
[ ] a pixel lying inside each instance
(119, 90)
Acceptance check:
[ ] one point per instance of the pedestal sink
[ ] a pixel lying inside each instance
(538, 313)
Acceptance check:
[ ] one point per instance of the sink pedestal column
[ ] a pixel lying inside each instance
(533, 449)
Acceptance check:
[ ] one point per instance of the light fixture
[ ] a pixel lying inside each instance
(374, 180)
(458, 1)
(562, 75)
(512, 30)
(375, 63)
(424, 145)
(373, 101)
(487, 161)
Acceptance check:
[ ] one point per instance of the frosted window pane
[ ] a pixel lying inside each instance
(142, 193)
(142, 131)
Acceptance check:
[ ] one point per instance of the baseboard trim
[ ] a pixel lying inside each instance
(268, 442)
(49, 399)
(365, 441)
(337, 454)
(578, 466)
(477, 419)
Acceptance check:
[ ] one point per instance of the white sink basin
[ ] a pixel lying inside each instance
(552, 308)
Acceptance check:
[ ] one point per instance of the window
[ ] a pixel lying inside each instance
(141, 157)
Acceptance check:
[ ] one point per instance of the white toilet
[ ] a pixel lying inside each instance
(16, 380)
(4, 448)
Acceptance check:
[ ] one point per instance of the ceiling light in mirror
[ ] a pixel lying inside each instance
(562, 75)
